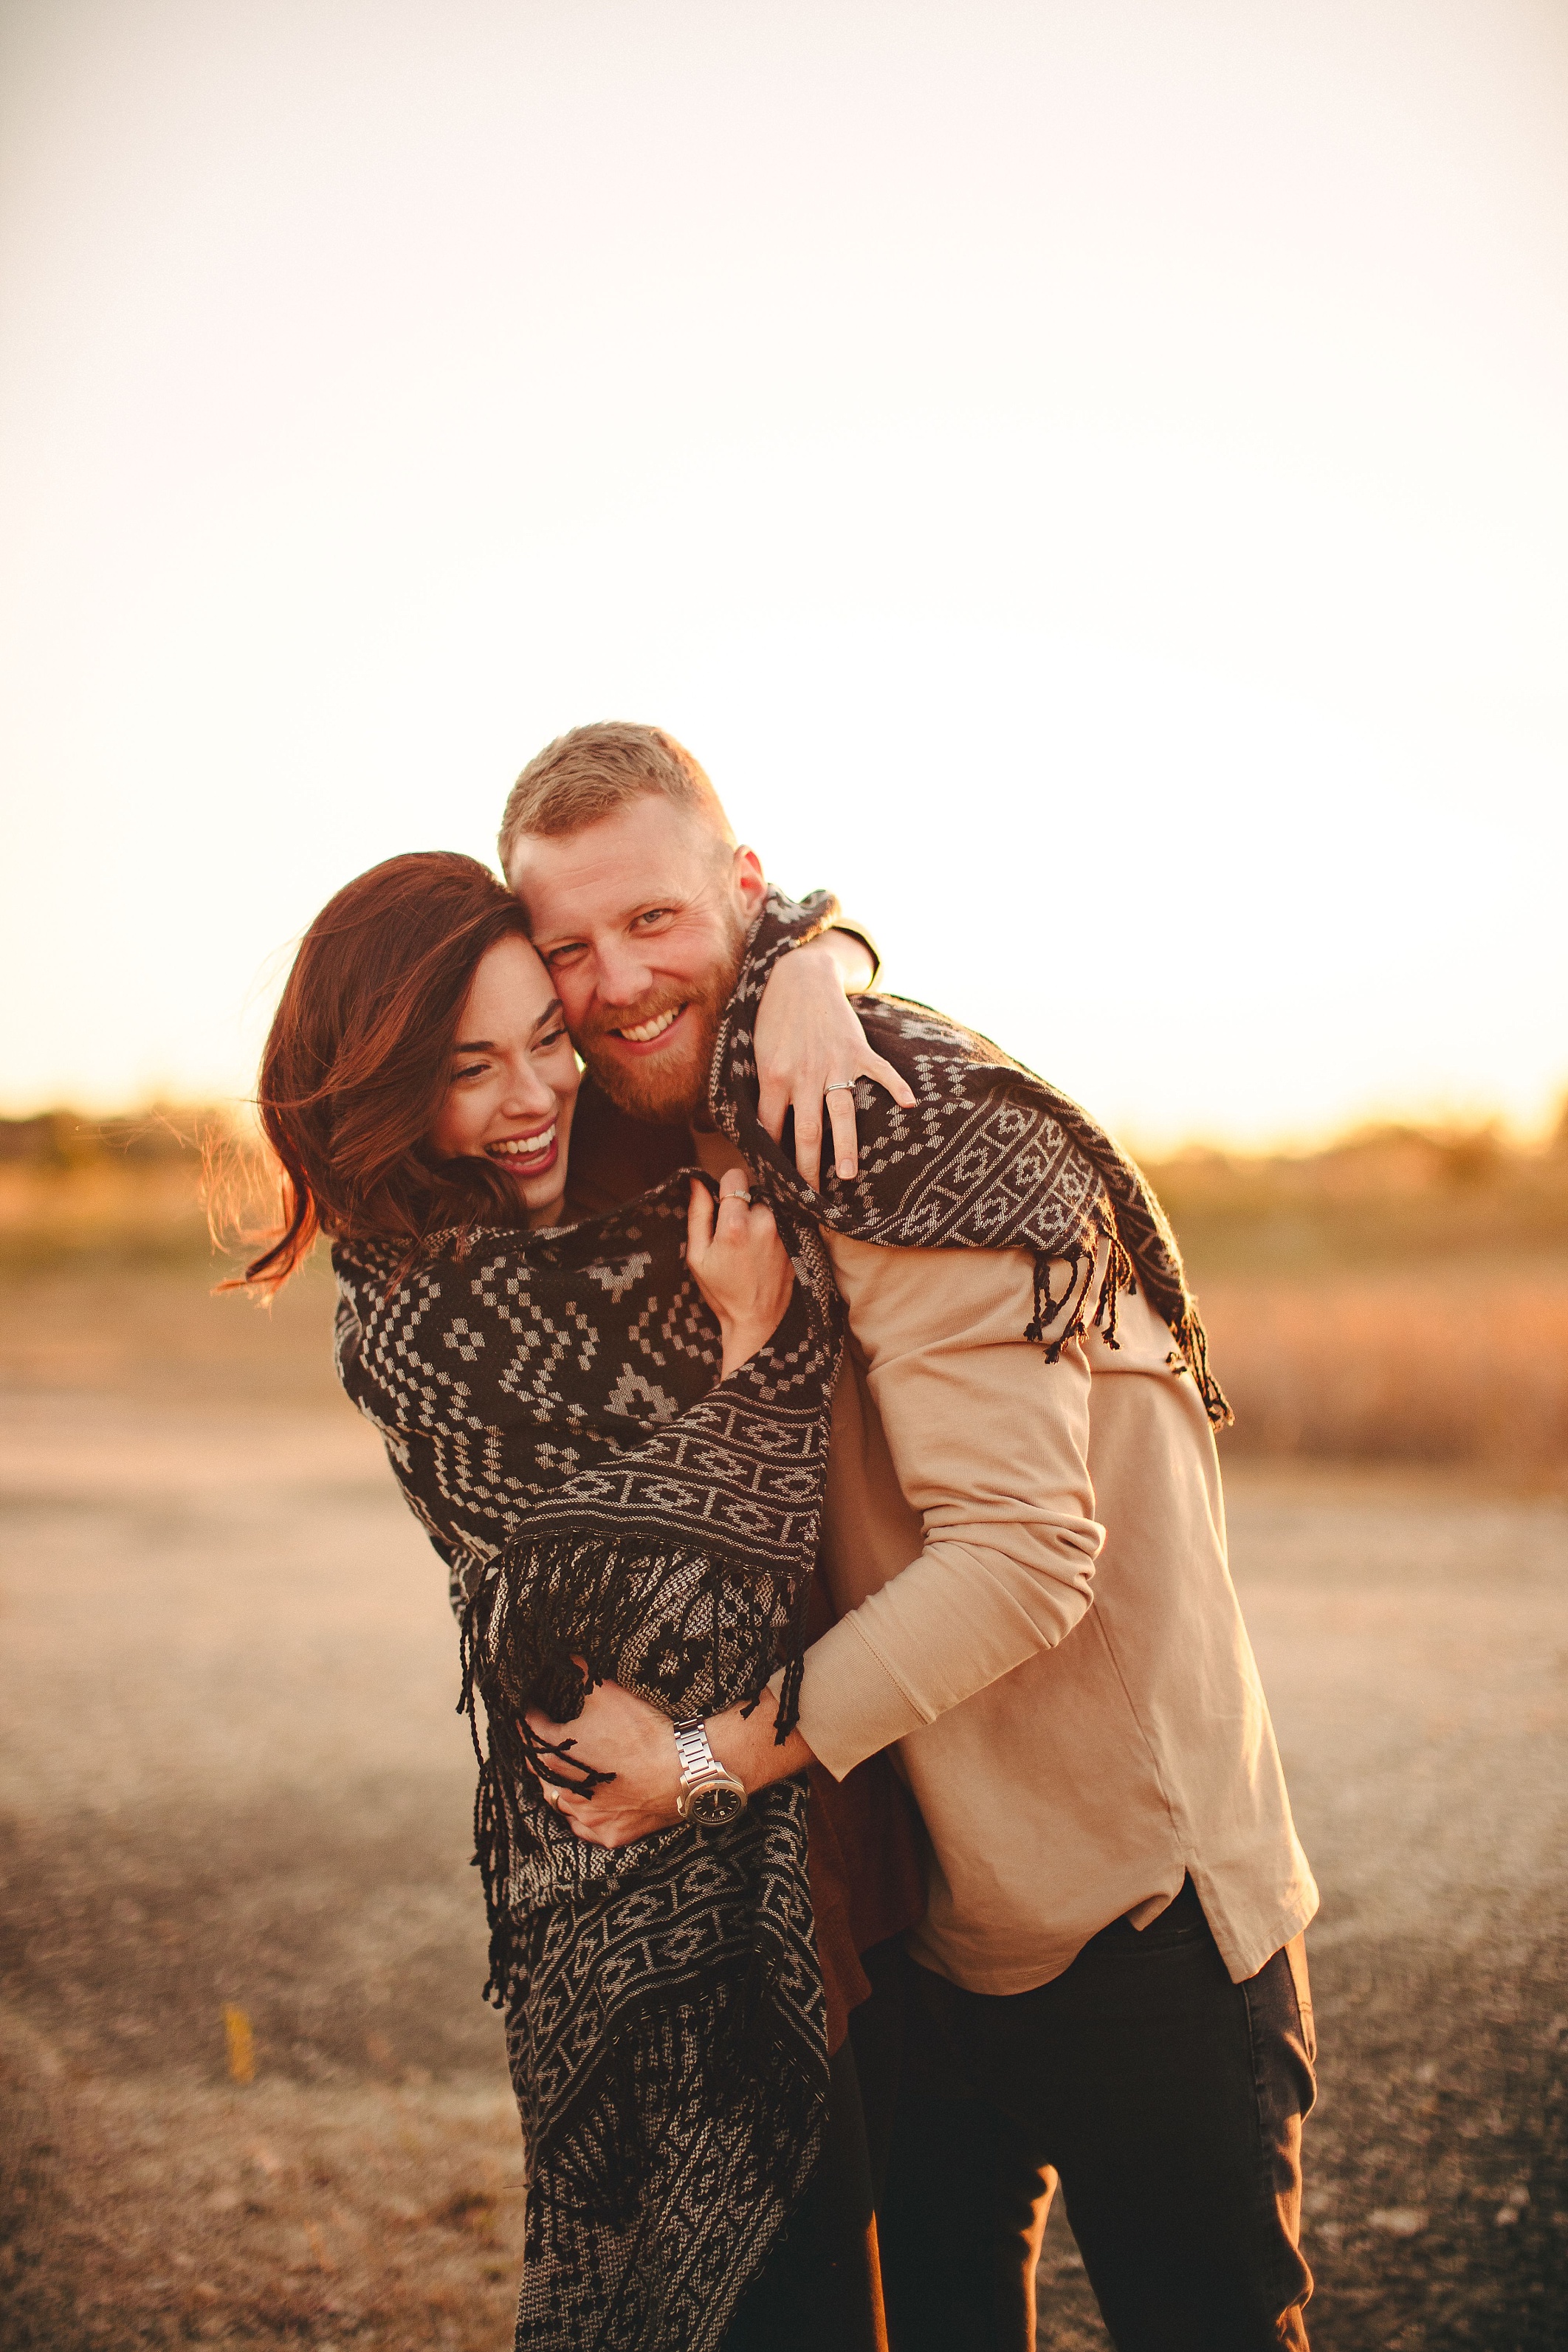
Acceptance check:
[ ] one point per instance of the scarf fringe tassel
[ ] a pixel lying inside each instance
(1191, 1352)
(539, 1610)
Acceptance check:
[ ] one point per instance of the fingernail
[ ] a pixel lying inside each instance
(846, 1168)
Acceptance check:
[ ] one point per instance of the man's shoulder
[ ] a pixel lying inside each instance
(915, 1297)
(904, 1031)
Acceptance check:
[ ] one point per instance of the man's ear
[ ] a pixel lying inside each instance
(750, 883)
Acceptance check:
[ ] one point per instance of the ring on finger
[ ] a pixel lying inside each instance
(840, 1087)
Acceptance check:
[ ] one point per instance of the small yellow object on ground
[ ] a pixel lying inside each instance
(241, 2044)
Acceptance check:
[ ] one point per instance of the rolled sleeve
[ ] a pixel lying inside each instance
(989, 1443)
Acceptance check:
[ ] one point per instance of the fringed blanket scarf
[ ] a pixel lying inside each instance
(991, 1157)
(548, 1403)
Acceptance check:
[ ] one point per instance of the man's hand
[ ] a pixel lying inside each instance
(617, 1732)
(808, 1041)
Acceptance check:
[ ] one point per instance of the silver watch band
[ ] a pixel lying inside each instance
(698, 1760)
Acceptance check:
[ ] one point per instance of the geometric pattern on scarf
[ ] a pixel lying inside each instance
(991, 1157)
(548, 1402)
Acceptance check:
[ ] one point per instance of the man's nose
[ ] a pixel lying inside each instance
(623, 975)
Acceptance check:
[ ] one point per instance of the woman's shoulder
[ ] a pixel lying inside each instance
(379, 1272)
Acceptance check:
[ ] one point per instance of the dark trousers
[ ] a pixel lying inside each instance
(1168, 2102)
(820, 2288)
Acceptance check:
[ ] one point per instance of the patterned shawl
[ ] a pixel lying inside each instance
(549, 1404)
(991, 1157)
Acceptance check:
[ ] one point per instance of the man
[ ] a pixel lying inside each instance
(1026, 1545)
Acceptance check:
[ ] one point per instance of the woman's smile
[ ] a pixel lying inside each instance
(536, 1152)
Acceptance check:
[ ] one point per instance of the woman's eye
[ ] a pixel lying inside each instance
(547, 1044)
(474, 1070)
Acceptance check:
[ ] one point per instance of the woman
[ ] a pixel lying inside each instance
(615, 1432)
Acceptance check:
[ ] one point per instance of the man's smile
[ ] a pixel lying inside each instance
(649, 1032)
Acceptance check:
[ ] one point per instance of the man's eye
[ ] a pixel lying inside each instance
(573, 952)
(654, 915)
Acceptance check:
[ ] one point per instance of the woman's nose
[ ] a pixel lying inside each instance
(527, 1095)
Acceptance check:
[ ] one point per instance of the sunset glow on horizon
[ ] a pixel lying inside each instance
(1091, 488)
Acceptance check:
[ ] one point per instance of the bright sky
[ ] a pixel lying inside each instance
(1090, 484)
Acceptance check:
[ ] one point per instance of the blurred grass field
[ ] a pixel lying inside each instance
(251, 2095)
(1399, 1297)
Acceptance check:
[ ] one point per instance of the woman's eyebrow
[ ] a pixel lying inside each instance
(487, 1045)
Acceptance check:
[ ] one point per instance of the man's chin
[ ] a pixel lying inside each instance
(662, 1092)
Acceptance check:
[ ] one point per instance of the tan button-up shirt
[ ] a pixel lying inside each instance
(1031, 1562)
(1038, 1617)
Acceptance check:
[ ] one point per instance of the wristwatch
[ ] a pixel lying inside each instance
(709, 1795)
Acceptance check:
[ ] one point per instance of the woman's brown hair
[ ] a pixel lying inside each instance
(359, 1059)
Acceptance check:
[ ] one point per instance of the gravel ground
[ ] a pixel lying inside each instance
(234, 1804)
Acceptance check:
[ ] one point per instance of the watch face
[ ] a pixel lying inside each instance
(719, 1802)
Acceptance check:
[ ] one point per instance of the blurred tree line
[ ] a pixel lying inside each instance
(1399, 1295)
(1389, 1195)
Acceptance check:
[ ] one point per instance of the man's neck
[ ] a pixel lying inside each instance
(714, 1151)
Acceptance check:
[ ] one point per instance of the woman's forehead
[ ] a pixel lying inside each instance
(510, 989)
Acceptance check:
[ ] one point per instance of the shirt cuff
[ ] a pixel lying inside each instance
(858, 931)
(850, 1705)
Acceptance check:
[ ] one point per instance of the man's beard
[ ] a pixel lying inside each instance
(669, 1090)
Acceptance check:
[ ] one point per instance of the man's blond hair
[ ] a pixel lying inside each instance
(593, 771)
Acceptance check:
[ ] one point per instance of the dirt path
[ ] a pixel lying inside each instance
(231, 1780)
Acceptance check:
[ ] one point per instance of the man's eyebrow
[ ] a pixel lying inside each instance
(551, 944)
(487, 1045)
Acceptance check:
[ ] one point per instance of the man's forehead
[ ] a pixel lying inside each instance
(609, 870)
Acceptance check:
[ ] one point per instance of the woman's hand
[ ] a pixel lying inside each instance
(633, 1742)
(809, 1041)
(639, 1752)
(738, 1264)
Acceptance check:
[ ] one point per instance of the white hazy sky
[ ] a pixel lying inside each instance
(1091, 485)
